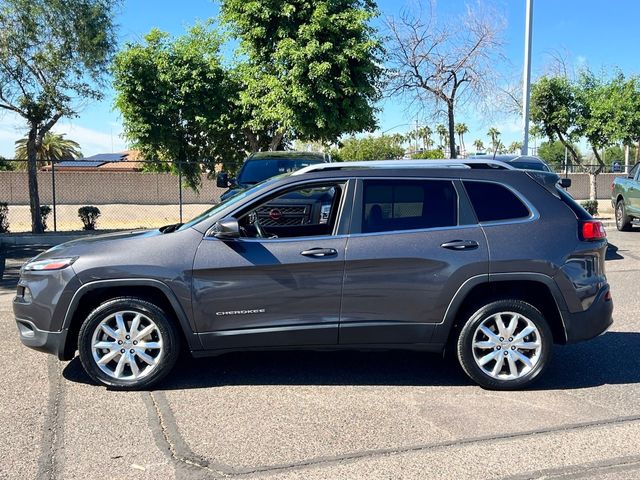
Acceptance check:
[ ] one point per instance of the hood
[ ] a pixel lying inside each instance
(90, 243)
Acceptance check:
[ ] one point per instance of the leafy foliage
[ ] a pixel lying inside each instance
(89, 216)
(552, 152)
(177, 101)
(310, 70)
(384, 147)
(54, 147)
(53, 54)
(590, 206)
(435, 154)
(45, 211)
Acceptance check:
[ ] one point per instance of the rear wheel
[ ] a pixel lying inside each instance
(505, 345)
(623, 221)
(128, 343)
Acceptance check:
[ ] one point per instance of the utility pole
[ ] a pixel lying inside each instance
(526, 88)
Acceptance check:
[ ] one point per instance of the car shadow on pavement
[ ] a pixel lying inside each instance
(612, 253)
(573, 366)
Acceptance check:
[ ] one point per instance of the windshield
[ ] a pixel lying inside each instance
(226, 203)
(255, 171)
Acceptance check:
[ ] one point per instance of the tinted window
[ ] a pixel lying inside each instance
(541, 167)
(255, 171)
(493, 201)
(408, 205)
(634, 170)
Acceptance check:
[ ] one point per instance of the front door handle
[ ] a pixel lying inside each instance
(319, 252)
(460, 245)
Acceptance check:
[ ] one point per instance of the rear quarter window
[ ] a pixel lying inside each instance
(493, 202)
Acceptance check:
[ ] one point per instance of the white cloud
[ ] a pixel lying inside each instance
(91, 141)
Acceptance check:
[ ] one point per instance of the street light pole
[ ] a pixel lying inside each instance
(526, 88)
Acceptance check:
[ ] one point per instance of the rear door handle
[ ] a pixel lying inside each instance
(460, 245)
(319, 252)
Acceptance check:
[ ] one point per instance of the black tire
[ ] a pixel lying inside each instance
(465, 349)
(166, 332)
(623, 221)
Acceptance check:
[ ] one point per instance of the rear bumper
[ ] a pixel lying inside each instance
(592, 322)
(42, 340)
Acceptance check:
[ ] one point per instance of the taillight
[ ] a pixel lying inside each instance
(592, 230)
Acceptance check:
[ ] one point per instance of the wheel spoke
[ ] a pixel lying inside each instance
(484, 344)
(492, 336)
(513, 368)
(144, 332)
(527, 345)
(523, 358)
(109, 331)
(120, 367)
(146, 357)
(135, 323)
(488, 357)
(513, 324)
(149, 345)
(107, 345)
(498, 366)
(502, 330)
(528, 330)
(108, 357)
(135, 370)
(122, 329)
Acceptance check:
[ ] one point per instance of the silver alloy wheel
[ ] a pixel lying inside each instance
(507, 346)
(619, 214)
(127, 345)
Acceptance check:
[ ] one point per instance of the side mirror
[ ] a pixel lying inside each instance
(565, 182)
(222, 180)
(226, 229)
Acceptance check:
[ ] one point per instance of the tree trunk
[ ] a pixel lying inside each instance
(276, 140)
(34, 196)
(638, 152)
(593, 186)
(452, 133)
(252, 138)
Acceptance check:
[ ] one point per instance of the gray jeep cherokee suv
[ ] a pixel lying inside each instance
(475, 257)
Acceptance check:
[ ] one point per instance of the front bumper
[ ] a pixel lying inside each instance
(42, 340)
(591, 322)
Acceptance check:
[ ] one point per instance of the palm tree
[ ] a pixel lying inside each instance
(494, 134)
(479, 145)
(515, 147)
(443, 133)
(461, 129)
(53, 149)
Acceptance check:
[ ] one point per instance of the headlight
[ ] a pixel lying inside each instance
(49, 264)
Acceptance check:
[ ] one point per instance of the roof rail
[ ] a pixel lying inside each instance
(415, 164)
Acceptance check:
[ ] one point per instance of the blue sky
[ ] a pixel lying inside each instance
(602, 35)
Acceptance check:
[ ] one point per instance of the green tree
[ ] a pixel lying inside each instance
(553, 153)
(515, 147)
(384, 147)
(443, 133)
(53, 54)
(178, 102)
(494, 135)
(479, 145)
(555, 111)
(309, 70)
(5, 165)
(54, 147)
(461, 130)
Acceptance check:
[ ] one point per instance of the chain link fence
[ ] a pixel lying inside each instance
(128, 194)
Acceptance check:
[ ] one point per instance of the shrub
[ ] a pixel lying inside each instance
(89, 215)
(45, 210)
(428, 155)
(4, 217)
(590, 206)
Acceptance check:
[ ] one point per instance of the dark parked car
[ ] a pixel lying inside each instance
(260, 166)
(476, 258)
(523, 162)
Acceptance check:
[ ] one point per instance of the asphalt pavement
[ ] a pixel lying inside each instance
(330, 415)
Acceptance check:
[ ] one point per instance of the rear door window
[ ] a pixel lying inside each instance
(493, 202)
(392, 205)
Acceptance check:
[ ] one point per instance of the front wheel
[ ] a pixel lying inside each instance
(623, 221)
(128, 343)
(505, 345)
